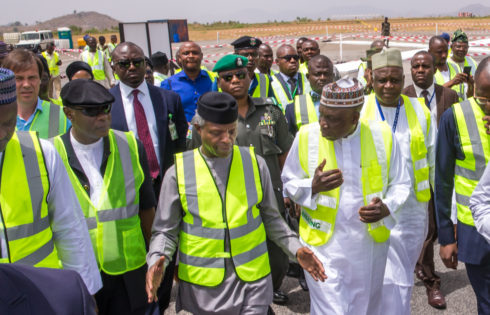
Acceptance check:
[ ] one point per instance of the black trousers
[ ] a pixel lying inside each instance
(479, 276)
(123, 294)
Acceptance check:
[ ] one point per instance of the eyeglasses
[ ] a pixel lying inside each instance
(93, 111)
(482, 101)
(127, 63)
(289, 57)
(229, 76)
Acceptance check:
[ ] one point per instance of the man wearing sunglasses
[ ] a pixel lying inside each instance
(155, 116)
(249, 48)
(109, 172)
(100, 65)
(463, 151)
(288, 82)
(262, 125)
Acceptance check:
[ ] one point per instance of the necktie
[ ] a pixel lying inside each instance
(425, 94)
(144, 135)
(292, 85)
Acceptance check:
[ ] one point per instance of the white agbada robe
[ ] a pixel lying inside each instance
(408, 235)
(353, 262)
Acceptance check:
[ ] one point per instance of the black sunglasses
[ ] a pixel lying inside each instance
(127, 63)
(94, 111)
(229, 76)
(288, 57)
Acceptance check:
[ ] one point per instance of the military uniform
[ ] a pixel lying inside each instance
(266, 129)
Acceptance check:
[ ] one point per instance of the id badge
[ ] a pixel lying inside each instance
(173, 130)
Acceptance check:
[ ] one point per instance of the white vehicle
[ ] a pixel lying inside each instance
(35, 40)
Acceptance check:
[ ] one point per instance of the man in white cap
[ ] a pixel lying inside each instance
(414, 128)
(346, 210)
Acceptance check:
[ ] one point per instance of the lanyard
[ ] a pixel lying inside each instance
(430, 101)
(395, 122)
(293, 93)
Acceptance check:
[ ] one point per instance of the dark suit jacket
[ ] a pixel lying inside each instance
(445, 98)
(27, 290)
(164, 103)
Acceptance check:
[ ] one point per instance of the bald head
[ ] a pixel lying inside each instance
(320, 72)
(265, 59)
(309, 49)
(124, 47)
(190, 58)
(320, 61)
(285, 50)
(287, 59)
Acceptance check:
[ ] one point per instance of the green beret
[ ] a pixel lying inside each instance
(460, 36)
(230, 62)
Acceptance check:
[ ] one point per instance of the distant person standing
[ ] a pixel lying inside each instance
(98, 62)
(112, 45)
(103, 47)
(160, 67)
(54, 62)
(385, 27)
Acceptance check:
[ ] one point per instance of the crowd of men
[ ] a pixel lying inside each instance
(141, 170)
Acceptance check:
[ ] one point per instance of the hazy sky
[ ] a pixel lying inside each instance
(215, 10)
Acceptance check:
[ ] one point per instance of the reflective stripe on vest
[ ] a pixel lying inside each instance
(114, 224)
(49, 122)
(475, 144)
(207, 221)
(304, 110)
(96, 62)
(360, 73)
(52, 60)
(262, 88)
(316, 227)
(23, 193)
(418, 118)
(282, 93)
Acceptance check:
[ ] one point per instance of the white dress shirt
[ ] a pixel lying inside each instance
(145, 100)
(90, 158)
(480, 205)
(70, 232)
(353, 262)
(432, 97)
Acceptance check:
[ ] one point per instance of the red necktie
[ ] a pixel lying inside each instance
(144, 135)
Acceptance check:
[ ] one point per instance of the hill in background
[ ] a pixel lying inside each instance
(82, 21)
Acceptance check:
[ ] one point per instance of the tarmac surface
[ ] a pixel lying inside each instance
(460, 297)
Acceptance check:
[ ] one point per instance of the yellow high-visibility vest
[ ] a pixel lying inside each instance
(114, 224)
(208, 218)
(475, 144)
(304, 110)
(96, 62)
(23, 199)
(52, 60)
(418, 117)
(316, 227)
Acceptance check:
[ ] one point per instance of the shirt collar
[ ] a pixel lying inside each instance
(39, 105)
(419, 90)
(286, 78)
(127, 90)
(203, 73)
(355, 133)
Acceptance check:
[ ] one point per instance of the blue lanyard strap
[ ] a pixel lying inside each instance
(395, 122)
(430, 101)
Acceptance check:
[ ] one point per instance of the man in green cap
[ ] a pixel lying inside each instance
(459, 59)
(415, 130)
(218, 205)
(262, 125)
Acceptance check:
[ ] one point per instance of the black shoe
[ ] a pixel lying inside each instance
(294, 270)
(302, 281)
(280, 297)
(270, 311)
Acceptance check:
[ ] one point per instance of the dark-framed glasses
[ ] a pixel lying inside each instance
(229, 76)
(126, 63)
(289, 57)
(93, 111)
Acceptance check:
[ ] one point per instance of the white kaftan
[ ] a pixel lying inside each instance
(354, 263)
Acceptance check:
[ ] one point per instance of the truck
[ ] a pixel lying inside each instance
(36, 41)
